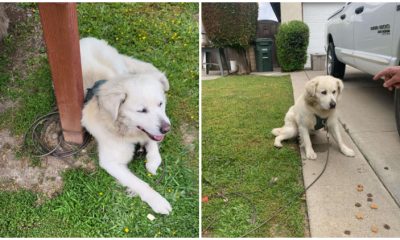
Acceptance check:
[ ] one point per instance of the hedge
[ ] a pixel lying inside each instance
(230, 24)
(291, 44)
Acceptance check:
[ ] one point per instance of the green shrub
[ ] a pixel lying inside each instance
(291, 45)
(230, 24)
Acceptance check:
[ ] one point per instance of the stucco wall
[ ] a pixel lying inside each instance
(291, 11)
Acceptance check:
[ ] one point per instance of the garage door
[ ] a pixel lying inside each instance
(315, 15)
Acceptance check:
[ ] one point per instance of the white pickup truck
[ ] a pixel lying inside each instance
(366, 36)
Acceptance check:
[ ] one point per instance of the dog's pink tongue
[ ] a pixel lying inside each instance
(158, 137)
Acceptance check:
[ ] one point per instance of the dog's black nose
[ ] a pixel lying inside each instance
(332, 104)
(165, 127)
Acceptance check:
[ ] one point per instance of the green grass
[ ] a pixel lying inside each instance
(239, 159)
(93, 204)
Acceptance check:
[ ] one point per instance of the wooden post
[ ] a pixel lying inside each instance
(60, 28)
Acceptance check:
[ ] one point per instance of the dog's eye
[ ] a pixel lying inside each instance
(160, 104)
(333, 91)
(144, 110)
(323, 92)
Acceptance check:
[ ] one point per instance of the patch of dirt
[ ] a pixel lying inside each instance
(278, 230)
(206, 234)
(4, 105)
(45, 178)
(29, 38)
(15, 13)
(4, 21)
(189, 134)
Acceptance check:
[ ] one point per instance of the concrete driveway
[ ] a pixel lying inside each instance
(335, 207)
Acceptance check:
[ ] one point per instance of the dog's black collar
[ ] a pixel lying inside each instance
(320, 122)
(91, 92)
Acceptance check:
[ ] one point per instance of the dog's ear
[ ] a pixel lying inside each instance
(311, 87)
(340, 85)
(164, 81)
(111, 101)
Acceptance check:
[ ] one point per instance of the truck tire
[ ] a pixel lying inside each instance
(334, 67)
(397, 108)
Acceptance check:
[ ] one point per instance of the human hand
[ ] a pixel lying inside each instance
(391, 76)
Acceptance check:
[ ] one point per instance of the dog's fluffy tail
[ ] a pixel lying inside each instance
(276, 131)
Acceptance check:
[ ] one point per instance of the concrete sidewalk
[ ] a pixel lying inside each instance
(333, 202)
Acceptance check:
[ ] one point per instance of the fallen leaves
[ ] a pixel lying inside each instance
(360, 216)
(373, 206)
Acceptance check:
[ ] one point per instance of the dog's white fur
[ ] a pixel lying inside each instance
(320, 98)
(128, 108)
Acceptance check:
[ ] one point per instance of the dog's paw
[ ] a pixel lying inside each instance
(347, 151)
(278, 144)
(311, 155)
(152, 167)
(157, 203)
(276, 131)
(153, 162)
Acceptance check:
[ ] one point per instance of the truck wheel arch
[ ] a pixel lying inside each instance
(334, 67)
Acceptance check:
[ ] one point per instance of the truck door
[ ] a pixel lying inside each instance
(343, 25)
(373, 34)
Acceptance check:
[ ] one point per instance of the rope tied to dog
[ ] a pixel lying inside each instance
(49, 124)
(44, 138)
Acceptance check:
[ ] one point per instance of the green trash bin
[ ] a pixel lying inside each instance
(264, 54)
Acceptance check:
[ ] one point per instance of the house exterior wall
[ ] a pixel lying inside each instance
(291, 11)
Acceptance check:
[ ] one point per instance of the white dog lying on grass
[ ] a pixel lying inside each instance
(125, 105)
(314, 109)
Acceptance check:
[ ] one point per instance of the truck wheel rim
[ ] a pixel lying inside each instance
(330, 59)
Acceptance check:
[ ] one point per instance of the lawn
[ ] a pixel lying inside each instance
(91, 203)
(244, 177)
